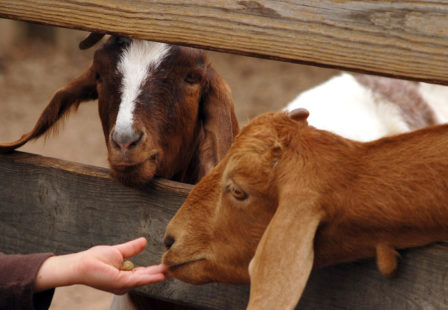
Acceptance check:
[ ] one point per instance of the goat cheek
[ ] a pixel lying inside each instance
(149, 169)
(192, 95)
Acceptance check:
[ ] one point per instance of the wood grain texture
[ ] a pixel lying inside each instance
(53, 205)
(58, 206)
(407, 39)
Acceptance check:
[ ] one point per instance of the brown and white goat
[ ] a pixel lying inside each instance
(288, 197)
(365, 107)
(164, 110)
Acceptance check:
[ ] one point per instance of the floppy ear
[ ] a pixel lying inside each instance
(219, 122)
(284, 257)
(80, 89)
(90, 40)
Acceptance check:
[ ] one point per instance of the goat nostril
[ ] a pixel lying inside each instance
(115, 144)
(168, 242)
(137, 141)
(126, 140)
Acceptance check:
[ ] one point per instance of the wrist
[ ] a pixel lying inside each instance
(56, 271)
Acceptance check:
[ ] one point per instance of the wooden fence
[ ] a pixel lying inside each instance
(53, 205)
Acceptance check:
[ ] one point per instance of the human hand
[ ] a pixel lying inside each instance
(99, 267)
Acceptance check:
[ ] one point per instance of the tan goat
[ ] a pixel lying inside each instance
(288, 197)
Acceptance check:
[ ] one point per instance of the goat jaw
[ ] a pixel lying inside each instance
(190, 271)
(134, 174)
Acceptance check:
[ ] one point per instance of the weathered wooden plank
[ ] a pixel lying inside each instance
(53, 205)
(407, 39)
(421, 283)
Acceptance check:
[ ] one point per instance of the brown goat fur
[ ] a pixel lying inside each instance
(288, 198)
(183, 120)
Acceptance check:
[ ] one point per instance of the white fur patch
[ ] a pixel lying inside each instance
(347, 108)
(437, 97)
(134, 65)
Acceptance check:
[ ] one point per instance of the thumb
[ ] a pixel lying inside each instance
(131, 248)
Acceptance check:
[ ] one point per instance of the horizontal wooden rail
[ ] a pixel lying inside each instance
(54, 205)
(58, 206)
(407, 39)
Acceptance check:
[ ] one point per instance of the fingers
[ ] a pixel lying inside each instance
(153, 269)
(142, 276)
(147, 271)
(131, 248)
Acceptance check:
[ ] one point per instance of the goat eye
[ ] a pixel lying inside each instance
(193, 78)
(98, 77)
(237, 193)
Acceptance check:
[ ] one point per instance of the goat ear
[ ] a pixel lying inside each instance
(284, 257)
(299, 114)
(219, 122)
(90, 40)
(80, 89)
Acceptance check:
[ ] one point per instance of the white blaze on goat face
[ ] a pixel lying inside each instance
(135, 66)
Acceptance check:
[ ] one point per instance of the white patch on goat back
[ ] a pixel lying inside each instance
(134, 65)
(345, 107)
(437, 98)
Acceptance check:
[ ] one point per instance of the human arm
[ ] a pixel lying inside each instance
(17, 274)
(98, 267)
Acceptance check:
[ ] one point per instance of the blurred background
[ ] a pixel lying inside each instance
(36, 61)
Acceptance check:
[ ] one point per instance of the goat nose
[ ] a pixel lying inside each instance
(168, 242)
(127, 139)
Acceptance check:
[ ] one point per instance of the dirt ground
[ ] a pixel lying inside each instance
(31, 71)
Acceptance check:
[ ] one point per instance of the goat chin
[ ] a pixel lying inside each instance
(134, 175)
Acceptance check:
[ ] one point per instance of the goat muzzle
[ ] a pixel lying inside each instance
(126, 140)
